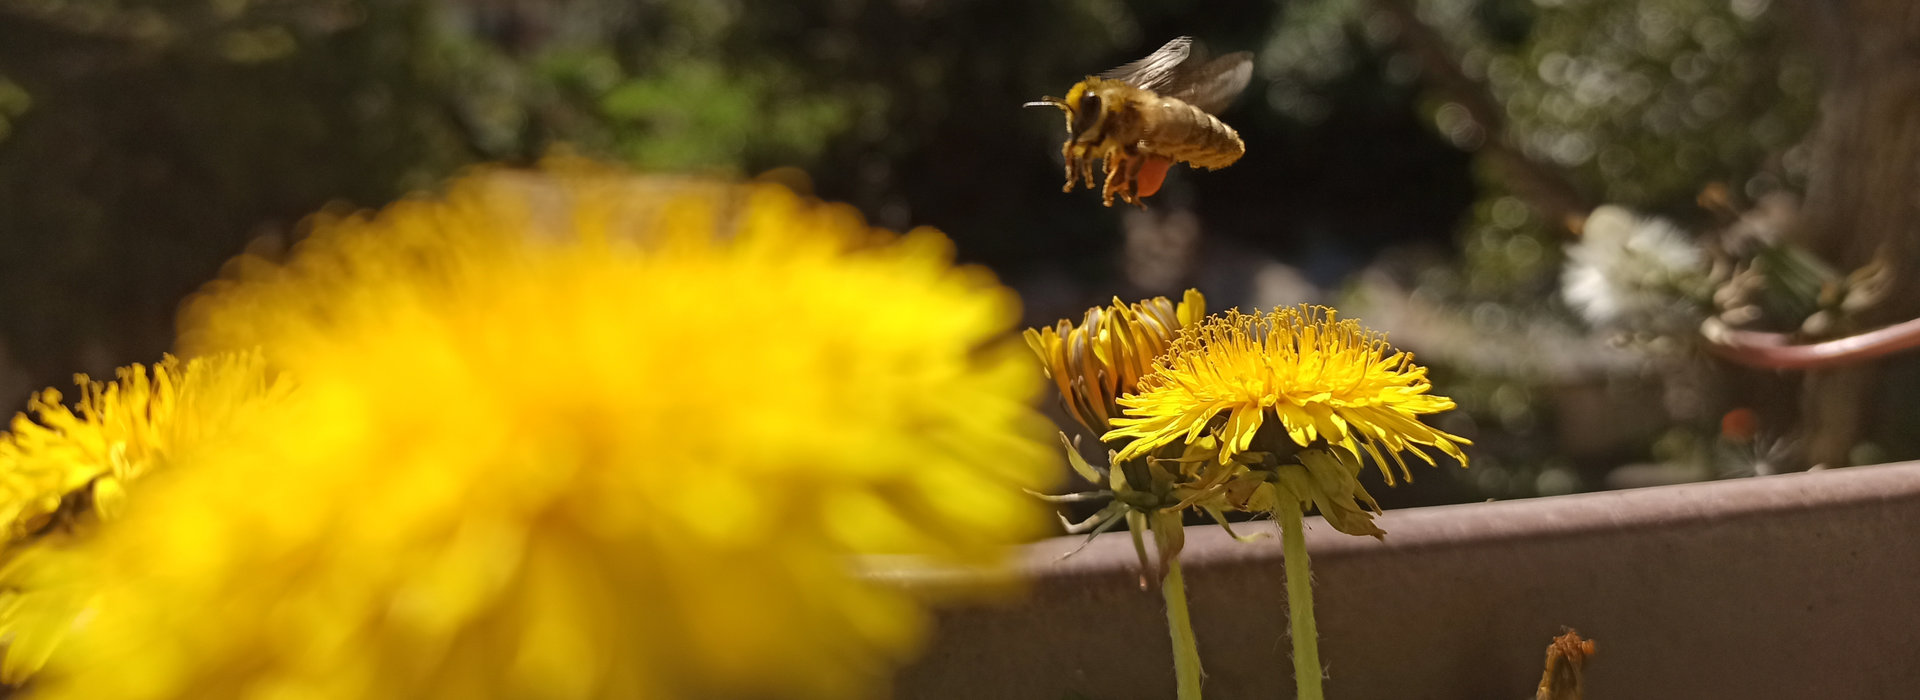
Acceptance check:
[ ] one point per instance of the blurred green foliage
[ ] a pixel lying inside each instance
(1641, 103)
(144, 142)
(1646, 101)
(158, 137)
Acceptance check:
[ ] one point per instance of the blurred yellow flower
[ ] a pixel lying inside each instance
(578, 434)
(1103, 358)
(1292, 387)
(65, 468)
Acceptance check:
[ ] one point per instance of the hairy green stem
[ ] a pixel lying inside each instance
(1186, 652)
(1306, 637)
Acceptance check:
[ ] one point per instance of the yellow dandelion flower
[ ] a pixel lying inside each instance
(1314, 379)
(578, 434)
(64, 469)
(1093, 365)
(1294, 397)
(1103, 358)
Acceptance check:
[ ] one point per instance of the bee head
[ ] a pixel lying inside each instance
(1083, 108)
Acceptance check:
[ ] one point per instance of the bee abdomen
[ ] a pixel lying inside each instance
(1184, 132)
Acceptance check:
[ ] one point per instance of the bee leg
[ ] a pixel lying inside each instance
(1116, 169)
(1132, 193)
(1122, 167)
(1066, 152)
(1086, 169)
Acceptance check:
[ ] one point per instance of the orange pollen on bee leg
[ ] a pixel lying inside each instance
(1153, 173)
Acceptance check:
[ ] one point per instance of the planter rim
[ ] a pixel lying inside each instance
(1543, 518)
(1789, 586)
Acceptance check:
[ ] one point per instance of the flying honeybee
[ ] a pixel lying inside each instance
(1143, 117)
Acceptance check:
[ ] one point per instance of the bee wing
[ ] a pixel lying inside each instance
(1213, 86)
(1180, 70)
(1158, 69)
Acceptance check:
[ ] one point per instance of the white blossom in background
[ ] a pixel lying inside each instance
(1279, 284)
(1634, 271)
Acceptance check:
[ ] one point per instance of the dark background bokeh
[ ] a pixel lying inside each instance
(1413, 162)
(144, 143)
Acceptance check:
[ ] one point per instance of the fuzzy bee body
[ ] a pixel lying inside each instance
(1184, 133)
(1160, 106)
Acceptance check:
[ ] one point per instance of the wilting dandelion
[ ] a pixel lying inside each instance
(1100, 360)
(577, 435)
(1094, 365)
(1563, 678)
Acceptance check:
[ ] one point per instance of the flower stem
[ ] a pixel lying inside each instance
(1186, 652)
(1306, 637)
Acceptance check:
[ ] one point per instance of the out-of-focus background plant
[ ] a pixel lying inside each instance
(1425, 164)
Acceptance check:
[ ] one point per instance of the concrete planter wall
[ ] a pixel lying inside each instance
(1791, 586)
